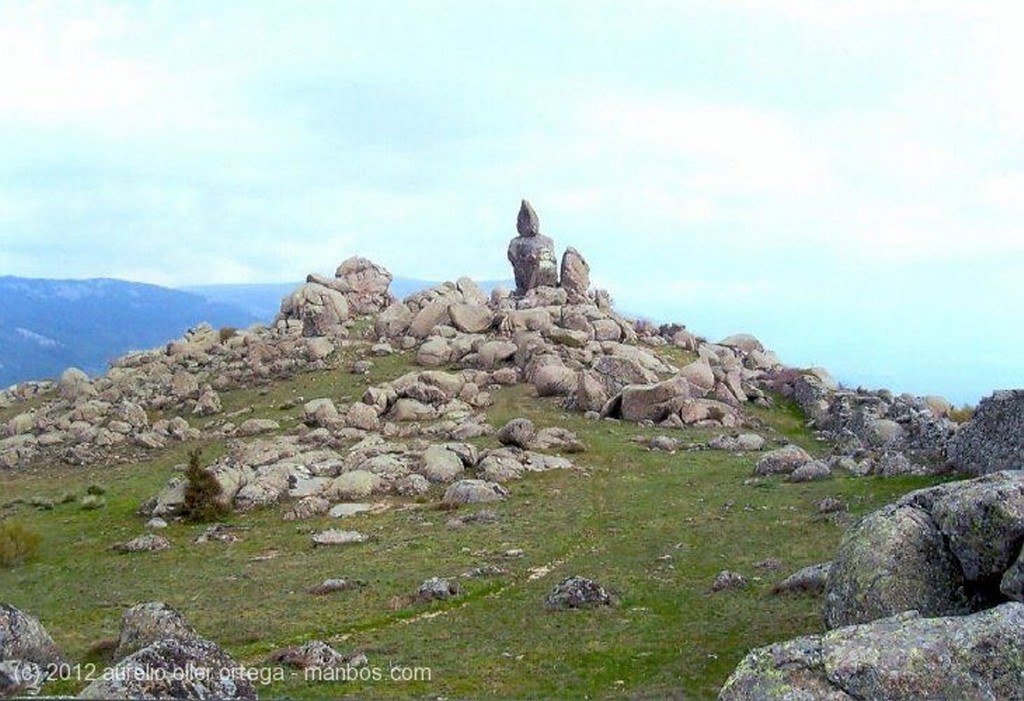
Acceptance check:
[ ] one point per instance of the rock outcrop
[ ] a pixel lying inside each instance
(531, 253)
(993, 439)
(170, 661)
(902, 657)
(943, 550)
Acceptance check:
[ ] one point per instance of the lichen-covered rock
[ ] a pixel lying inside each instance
(575, 275)
(531, 253)
(905, 657)
(993, 439)
(22, 637)
(474, 492)
(147, 623)
(984, 523)
(439, 589)
(810, 579)
(517, 432)
(895, 559)
(577, 593)
(321, 310)
(144, 543)
(782, 461)
(173, 668)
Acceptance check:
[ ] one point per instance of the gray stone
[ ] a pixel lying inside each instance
(575, 275)
(993, 439)
(904, 657)
(517, 432)
(439, 589)
(810, 472)
(155, 672)
(144, 543)
(728, 580)
(334, 536)
(578, 593)
(1012, 582)
(983, 522)
(316, 654)
(894, 559)
(527, 221)
(471, 318)
(22, 637)
(144, 624)
(439, 464)
(474, 492)
(782, 461)
(810, 579)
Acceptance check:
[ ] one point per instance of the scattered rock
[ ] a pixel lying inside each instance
(577, 593)
(474, 492)
(728, 580)
(337, 537)
(517, 432)
(144, 543)
(331, 586)
(782, 461)
(439, 589)
(316, 654)
(811, 579)
(810, 472)
(155, 671)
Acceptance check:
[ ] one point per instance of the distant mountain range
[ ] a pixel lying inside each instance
(47, 326)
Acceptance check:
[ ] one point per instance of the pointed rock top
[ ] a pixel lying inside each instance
(527, 224)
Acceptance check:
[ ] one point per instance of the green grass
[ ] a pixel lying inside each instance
(615, 521)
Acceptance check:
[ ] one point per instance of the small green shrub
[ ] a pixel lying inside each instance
(203, 494)
(96, 489)
(17, 543)
(962, 415)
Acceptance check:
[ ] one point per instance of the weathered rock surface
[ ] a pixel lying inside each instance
(173, 668)
(993, 439)
(578, 593)
(22, 637)
(893, 560)
(575, 276)
(782, 461)
(145, 624)
(903, 657)
(531, 253)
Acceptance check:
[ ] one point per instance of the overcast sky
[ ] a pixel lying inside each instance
(845, 179)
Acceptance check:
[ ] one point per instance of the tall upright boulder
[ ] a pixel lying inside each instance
(531, 253)
(575, 275)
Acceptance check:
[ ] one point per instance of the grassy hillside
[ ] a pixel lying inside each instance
(652, 527)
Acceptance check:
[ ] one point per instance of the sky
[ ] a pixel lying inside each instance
(845, 180)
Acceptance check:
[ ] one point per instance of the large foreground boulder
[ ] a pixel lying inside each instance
(980, 656)
(953, 548)
(993, 439)
(173, 668)
(22, 637)
(893, 560)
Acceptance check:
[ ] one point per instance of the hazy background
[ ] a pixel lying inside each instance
(843, 179)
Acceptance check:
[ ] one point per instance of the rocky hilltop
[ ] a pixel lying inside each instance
(950, 553)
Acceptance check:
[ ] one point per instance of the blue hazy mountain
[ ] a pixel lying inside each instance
(49, 325)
